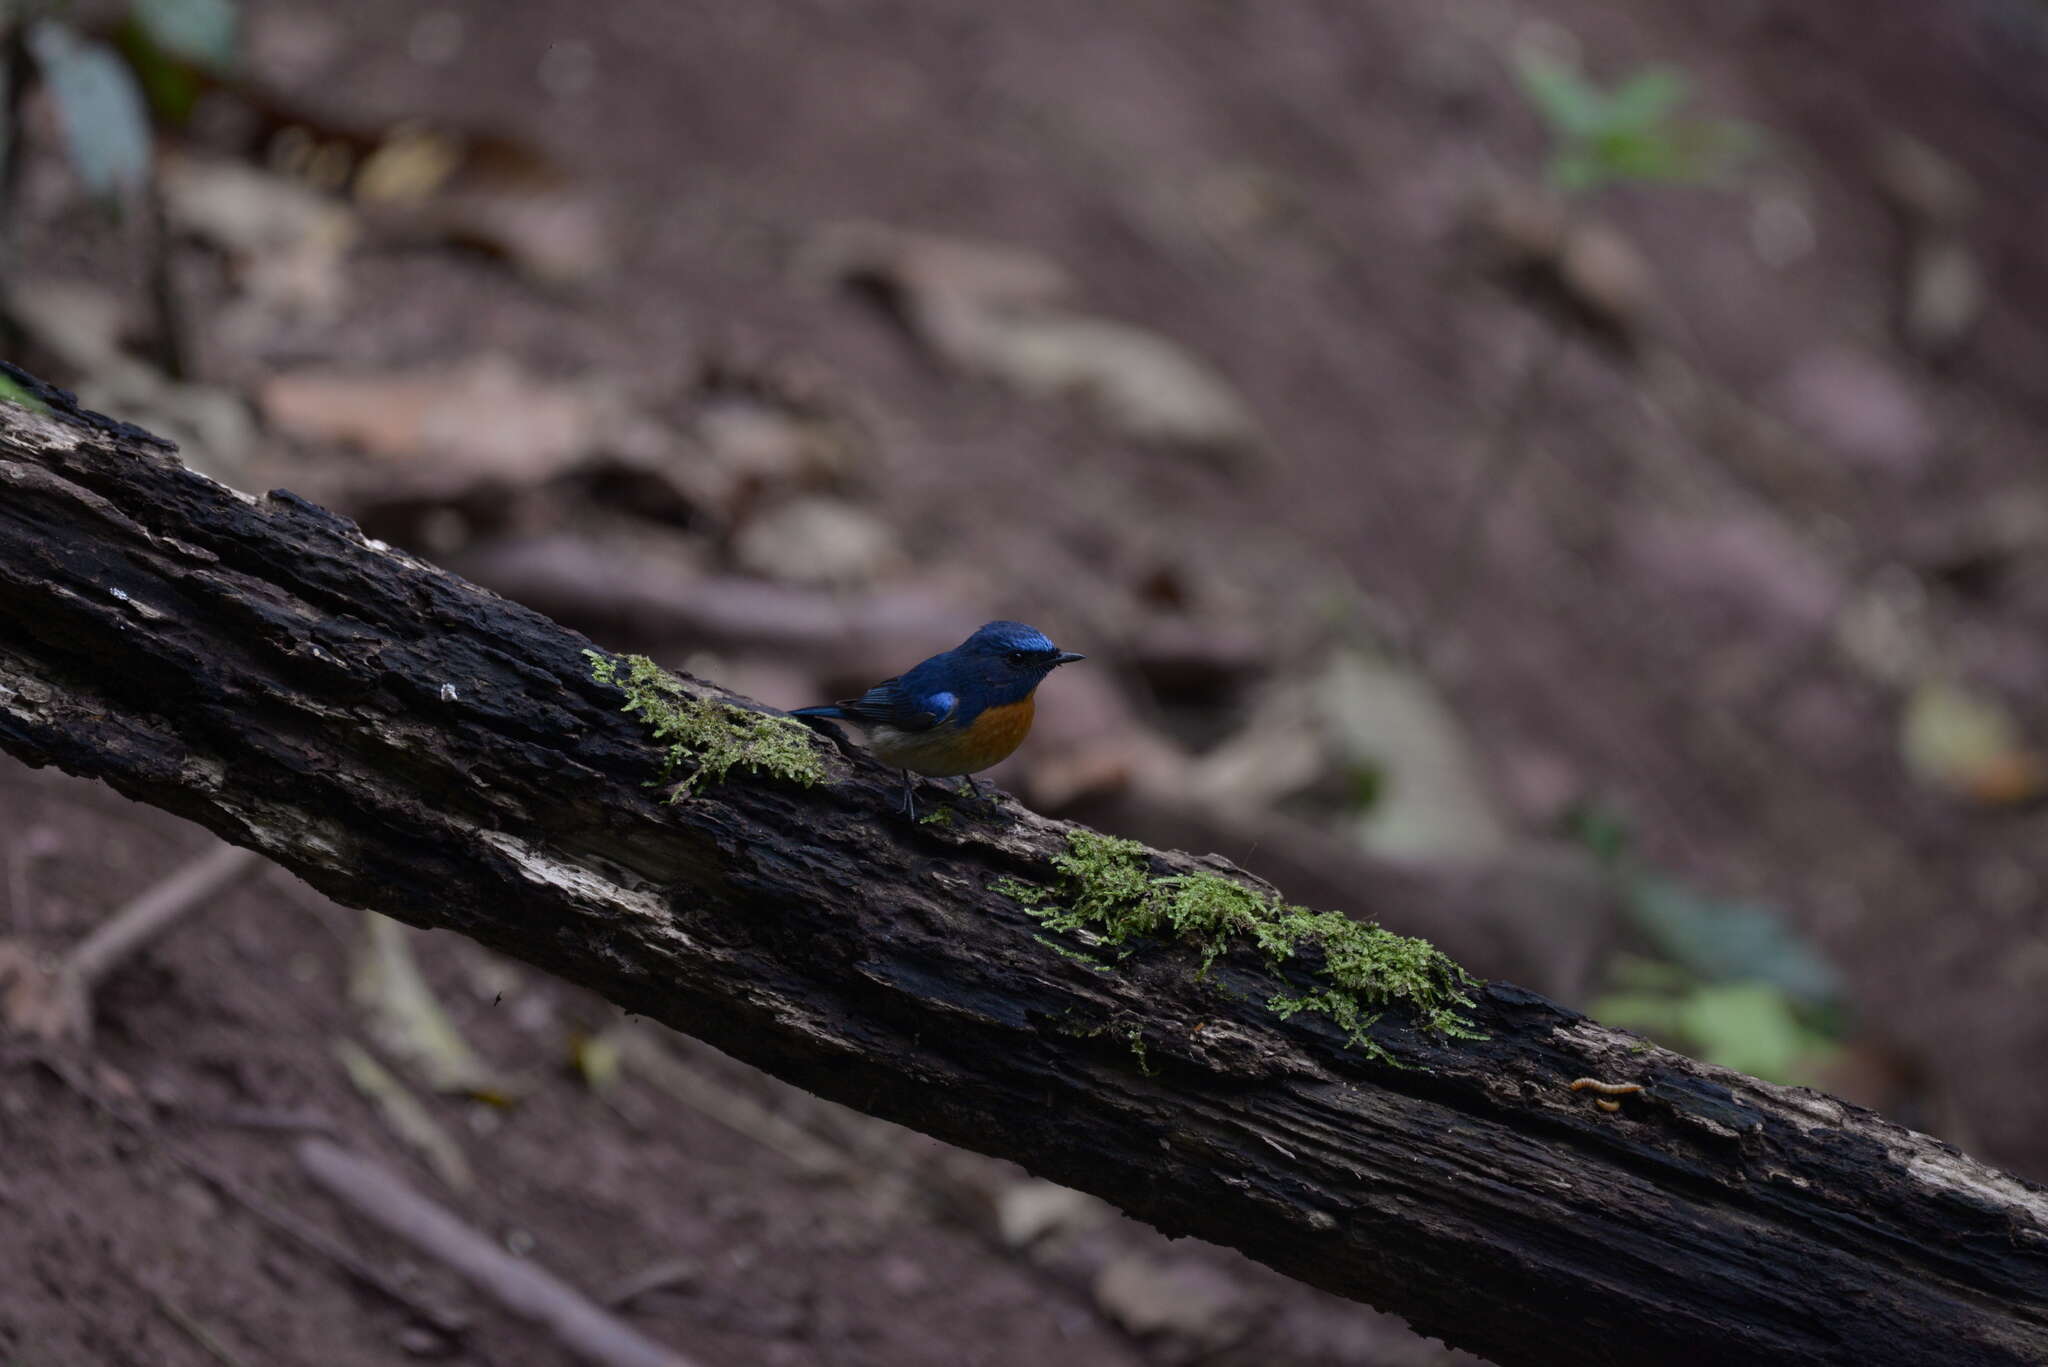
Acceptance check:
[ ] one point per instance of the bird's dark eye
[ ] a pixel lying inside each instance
(1018, 657)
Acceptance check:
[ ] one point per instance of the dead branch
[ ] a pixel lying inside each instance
(405, 741)
(528, 1291)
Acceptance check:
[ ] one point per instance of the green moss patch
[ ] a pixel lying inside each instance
(1107, 890)
(15, 393)
(705, 738)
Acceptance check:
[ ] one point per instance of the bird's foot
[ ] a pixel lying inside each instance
(990, 799)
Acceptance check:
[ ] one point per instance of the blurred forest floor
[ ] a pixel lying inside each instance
(1642, 590)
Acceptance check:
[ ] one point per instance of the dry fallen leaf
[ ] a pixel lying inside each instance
(286, 241)
(1176, 1299)
(408, 1118)
(1364, 715)
(1036, 1209)
(407, 1020)
(817, 540)
(1006, 315)
(485, 417)
(1968, 744)
(554, 236)
(1582, 270)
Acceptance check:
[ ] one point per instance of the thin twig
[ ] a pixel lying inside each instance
(405, 1114)
(660, 1276)
(304, 1120)
(184, 1319)
(171, 344)
(154, 912)
(60, 1008)
(528, 1291)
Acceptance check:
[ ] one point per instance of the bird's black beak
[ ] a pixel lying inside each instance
(1067, 657)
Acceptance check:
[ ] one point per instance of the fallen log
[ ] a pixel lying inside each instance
(405, 741)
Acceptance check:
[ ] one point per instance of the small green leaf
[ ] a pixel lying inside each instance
(1565, 101)
(1645, 99)
(1656, 1014)
(1576, 170)
(172, 83)
(106, 129)
(1636, 973)
(1633, 132)
(1724, 941)
(202, 31)
(1603, 830)
(1746, 1026)
(1751, 1027)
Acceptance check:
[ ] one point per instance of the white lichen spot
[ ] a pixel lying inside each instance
(23, 688)
(136, 605)
(240, 495)
(1935, 1164)
(202, 772)
(292, 835)
(44, 433)
(582, 884)
(1710, 1125)
(1803, 1103)
(448, 693)
(311, 839)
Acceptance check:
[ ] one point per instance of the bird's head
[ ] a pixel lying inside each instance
(1010, 657)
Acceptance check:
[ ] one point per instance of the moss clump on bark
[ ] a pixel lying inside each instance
(1107, 891)
(705, 739)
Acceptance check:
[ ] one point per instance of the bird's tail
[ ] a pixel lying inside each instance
(830, 709)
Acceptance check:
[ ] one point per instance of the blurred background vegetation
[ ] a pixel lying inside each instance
(1560, 478)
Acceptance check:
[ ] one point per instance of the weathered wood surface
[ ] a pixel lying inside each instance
(406, 741)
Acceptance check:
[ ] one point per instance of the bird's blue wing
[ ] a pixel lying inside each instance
(890, 703)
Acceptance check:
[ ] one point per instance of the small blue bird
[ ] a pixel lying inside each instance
(957, 713)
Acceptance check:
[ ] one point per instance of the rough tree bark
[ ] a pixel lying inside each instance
(406, 741)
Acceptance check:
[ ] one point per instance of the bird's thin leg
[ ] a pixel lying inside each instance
(909, 797)
(991, 800)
